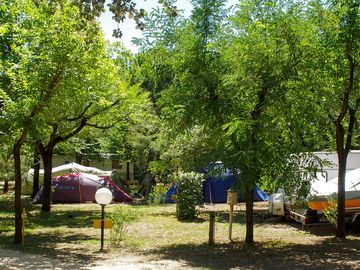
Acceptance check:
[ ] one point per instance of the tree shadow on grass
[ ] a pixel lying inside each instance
(74, 254)
(318, 229)
(330, 254)
(66, 218)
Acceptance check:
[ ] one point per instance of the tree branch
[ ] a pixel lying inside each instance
(80, 116)
(103, 109)
(48, 94)
(103, 127)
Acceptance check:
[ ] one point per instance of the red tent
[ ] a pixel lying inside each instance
(80, 188)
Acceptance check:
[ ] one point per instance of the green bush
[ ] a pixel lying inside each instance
(121, 217)
(157, 195)
(189, 194)
(330, 212)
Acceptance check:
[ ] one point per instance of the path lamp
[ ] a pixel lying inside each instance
(103, 197)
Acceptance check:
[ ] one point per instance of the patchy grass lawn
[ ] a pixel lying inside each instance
(66, 235)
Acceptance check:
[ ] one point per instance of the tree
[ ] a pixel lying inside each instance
(336, 58)
(102, 101)
(5, 164)
(197, 69)
(160, 28)
(21, 106)
(91, 9)
(36, 176)
(235, 88)
(264, 58)
(49, 44)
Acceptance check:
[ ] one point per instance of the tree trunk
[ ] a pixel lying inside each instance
(249, 201)
(47, 160)
(6, 181)
(6, 186)
(342, 159)
(18, 206)
(86, 162)
(127, 171)
(78, 159)
(36, 176)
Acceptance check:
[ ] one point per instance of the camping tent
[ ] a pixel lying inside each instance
(259, 195)
(219, 180)
(26, 188)
(215, 189)
(81, 187)
(170, 194)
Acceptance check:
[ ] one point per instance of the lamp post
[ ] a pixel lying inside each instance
(103, 197)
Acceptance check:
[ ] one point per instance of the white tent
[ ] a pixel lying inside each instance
(56, 171)
(71, 168)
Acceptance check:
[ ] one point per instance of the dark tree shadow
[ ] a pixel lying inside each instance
(75, 256)
(330, 254)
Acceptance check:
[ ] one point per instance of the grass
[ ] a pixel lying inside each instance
(67, 233)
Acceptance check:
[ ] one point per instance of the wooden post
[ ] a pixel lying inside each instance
(212, 228)
(231, 215)
(231, 201)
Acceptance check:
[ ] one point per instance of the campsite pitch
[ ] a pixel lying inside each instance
(65, 239)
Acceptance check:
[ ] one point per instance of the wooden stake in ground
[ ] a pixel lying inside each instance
(231, 200)
(212, 228)
(231, 214)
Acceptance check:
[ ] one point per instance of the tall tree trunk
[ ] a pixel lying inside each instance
(18, 206)
(6, 180)
(47, 161)
(343, 143)
(249, 201)
(342, 159)
(17, 159)
(36, 175)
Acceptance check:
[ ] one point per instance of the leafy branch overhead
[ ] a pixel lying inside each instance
(121, 9)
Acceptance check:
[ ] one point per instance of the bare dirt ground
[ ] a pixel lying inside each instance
(329, 254)
(10, 260)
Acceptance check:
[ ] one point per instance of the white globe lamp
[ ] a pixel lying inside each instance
(103, 197)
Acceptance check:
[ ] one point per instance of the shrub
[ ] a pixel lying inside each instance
(121, 217)
(157, 195)
(189, 194)
(330, 212)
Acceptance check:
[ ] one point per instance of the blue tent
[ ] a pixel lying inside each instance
(215, 190)
(218, 181)
(259, 195)
(170, 194)
(215, 187)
